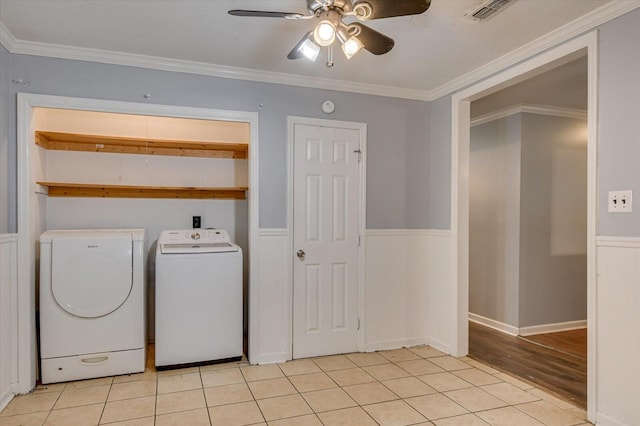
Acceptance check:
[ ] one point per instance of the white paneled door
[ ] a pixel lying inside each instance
(325, 240)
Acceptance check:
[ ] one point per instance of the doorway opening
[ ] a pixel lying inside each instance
(527, 229)
(460, 212)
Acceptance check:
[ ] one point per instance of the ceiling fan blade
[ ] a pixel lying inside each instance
(373, 41)
(391, 8)
(265, 14)
(295, 52)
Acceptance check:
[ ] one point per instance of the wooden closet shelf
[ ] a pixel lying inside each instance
(58, 189)
(123, 145)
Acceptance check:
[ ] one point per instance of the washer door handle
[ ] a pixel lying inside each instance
(301, 254)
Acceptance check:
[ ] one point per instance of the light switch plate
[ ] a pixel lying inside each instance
(621, 201)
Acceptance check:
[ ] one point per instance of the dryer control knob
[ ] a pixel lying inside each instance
(195, 236)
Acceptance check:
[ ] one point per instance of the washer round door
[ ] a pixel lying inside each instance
(92, 275)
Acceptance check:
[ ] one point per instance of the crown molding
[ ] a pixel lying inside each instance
(192, 67)
(587, 22)
(6, 38)
(576, 27)
(531, 109)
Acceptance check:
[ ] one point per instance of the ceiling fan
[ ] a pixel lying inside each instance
(353, 36)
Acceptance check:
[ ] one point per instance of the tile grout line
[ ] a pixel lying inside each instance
(518, 406)
(300, 393)
(376, 381)
(104, 407)
(246, 383)
(155, 397)
(204, 396)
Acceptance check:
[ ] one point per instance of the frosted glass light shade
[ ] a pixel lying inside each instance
(351, 46)
(309, 50)
(325, 33)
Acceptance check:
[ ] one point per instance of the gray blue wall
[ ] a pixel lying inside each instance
(494, 219)
(619, 114)
(528, 220)
(553, 193)
(398, 130)
(7, 150)
(409, 141)
(440, 164)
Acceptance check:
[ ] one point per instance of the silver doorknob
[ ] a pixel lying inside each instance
(301, 254)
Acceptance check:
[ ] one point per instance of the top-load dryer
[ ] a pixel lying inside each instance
(92, 303)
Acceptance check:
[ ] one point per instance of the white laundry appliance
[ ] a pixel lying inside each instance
(92, 303)
(198, 288)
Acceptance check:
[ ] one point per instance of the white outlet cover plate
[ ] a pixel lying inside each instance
(620, 201)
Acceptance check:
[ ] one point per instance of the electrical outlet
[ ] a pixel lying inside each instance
(620, 201)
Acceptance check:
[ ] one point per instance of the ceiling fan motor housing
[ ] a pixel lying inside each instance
(314, 5)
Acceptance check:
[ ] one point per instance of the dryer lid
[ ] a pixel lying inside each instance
(92, 275)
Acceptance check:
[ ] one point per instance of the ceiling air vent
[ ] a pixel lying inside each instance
(487, 9)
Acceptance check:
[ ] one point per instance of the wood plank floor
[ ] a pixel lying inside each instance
(572, 342)
(562, 373)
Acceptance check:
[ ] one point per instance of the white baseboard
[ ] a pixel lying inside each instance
(5, 399)
(527, 331)
(395, 344)
(496, 325)
(272, 358)
(604, 420)
(439, 345)
(552, 328)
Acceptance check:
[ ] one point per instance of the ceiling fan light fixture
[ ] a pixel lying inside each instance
(353, 37)
(352, 46)
(325, 33)
(350, 43)
(309, 50)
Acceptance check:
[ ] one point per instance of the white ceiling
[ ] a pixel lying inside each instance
(431, 49)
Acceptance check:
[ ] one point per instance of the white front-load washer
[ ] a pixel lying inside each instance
(198, 289)
(92, 303)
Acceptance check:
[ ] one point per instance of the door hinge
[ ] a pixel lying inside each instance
(358, 323)
(359, 152)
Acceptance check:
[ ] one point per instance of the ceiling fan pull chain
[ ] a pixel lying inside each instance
(329, 56)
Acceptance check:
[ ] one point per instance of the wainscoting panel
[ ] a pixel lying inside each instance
(442, 291)
(272, 295)
(618, 338)
(407, 294)
(405, 270)
(8, 317)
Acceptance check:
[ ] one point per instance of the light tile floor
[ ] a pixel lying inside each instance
(414, 386)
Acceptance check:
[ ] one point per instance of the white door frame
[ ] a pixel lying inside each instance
(460, 114)
(26, 210)
(362, 128)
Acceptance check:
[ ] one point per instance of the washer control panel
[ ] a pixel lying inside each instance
(195, 241)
